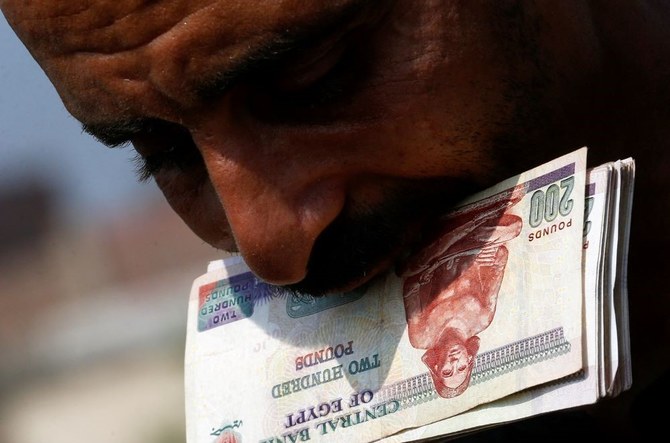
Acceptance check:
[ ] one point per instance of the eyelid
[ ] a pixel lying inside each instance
(306, 72)
(166, 147)
(122, 132)
(111, 136)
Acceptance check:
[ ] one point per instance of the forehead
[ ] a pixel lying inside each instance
(115, 25)
(89, 45)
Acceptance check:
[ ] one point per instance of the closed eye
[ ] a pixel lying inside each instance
(169, 148)
(307, 92)
(161, 146)
(325, 86)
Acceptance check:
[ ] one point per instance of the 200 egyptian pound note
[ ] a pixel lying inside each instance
(607, 365)
(492, 306)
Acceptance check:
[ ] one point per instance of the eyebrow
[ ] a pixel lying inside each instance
(262, 59)
(270, 54)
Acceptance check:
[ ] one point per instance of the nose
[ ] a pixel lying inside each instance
(278, 194)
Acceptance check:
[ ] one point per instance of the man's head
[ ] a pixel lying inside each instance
(316, 136)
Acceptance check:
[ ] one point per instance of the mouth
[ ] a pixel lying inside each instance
(367, 240)
(349, 255)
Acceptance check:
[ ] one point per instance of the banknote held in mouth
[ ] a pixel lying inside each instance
(477, 314)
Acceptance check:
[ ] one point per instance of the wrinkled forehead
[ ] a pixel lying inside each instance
(117, 25)
(103, 56)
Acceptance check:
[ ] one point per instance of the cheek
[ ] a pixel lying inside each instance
(422, 145)
(199, 207)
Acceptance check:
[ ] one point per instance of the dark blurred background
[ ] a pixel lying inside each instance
(95, 273)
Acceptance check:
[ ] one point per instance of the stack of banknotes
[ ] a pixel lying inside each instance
(516, 307)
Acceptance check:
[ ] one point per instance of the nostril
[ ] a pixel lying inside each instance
(278, 267)
(277, 231)
(277, 198)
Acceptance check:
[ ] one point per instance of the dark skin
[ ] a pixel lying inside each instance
(310, 135)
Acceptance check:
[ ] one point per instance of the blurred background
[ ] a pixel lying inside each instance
(95, 273)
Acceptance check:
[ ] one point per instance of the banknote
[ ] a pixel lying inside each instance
(616, 328)
(606, 371)
(491, 306)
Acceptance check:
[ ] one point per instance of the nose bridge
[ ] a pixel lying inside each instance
(276, 202)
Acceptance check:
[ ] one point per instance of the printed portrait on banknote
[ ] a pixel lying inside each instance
(450, 290)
